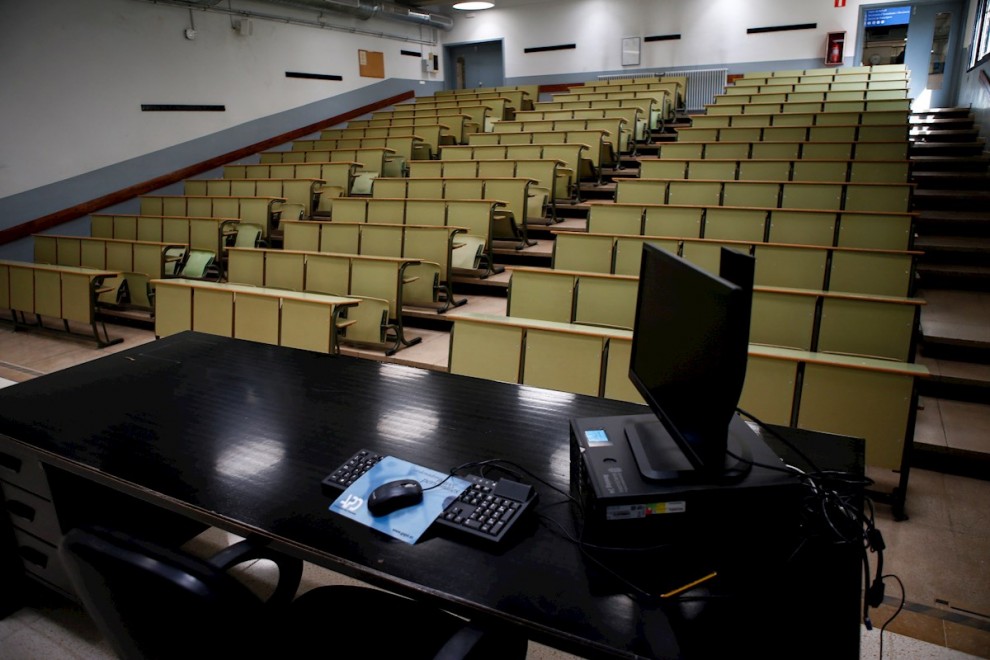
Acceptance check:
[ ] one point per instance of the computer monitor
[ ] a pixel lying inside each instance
(689, 350)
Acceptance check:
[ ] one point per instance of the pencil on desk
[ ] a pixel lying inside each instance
(689, 585)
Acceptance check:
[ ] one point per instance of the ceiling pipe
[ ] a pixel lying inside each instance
(364, 9)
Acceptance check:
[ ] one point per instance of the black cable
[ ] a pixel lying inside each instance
(838, 513)
(900, 606)
(766, 427)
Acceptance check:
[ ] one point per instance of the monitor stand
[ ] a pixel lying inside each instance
(661, 460)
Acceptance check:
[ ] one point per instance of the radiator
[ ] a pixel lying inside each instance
(702, 87)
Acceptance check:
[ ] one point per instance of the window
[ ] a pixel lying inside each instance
(981, 34)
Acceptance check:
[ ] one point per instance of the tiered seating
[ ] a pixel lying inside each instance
(892, 150)
(431, 135)
(272, 316)
(431, 245)
(834, 322)
(404, 148)
(380, 283)
(782, 169)
(499, 107)
(456, 125)
(299, 192)
(842, 196)
(513, 193)
(137, 262)
(475, 216)
(663, 108)
(615, 129)
(633, 117)
(65, 293)
(263, 211)
(337, 177)
(824, 227)
(545, 172)
(571, 161)
(598, 153)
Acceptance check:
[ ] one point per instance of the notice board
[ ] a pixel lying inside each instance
(371, 64)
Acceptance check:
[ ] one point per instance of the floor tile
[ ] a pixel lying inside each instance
(929, 429)
(967, 640)
(967, 425)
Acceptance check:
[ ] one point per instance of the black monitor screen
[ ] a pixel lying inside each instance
(690, 343)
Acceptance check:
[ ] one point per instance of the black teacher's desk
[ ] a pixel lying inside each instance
(197, 430)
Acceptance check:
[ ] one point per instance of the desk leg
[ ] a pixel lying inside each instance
(94, 292)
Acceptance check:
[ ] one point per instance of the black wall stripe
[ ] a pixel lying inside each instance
(662, 37)
(782, 28)
(175, 107)
(543, 49)
(312, 76)
(410, 53)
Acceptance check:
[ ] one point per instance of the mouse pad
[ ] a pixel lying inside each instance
(405, 524)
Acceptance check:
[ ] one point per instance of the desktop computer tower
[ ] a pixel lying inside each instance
(621, 507)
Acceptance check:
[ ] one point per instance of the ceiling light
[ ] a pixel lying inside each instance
(472, 6)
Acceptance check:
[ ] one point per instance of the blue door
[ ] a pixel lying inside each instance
(474, 65)
(923, 36)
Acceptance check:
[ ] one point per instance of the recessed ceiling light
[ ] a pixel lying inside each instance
(473, 6)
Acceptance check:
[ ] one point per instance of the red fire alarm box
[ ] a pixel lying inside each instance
(833, 48)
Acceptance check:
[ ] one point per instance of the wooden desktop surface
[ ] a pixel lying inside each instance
(239, 435)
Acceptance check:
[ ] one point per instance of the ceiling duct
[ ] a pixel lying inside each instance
(365, 10)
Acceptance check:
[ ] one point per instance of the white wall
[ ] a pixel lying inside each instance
(713, 32)
(75, 73)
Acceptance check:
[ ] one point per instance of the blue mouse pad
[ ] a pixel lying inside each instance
(405, 524)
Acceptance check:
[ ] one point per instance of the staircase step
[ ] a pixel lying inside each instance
(951, 199)
(949, 163)
(977, 247)
(942, 123)
(960, 252)
(926, 134)
(966, 277)
(955, 325)
(922, 148)
(959, 380)
(952, 180)
(955, 223)
(941, 113)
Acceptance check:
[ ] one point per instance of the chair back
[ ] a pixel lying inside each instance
(248, 235)
(196, 264)
(139, 291)
(152, 602)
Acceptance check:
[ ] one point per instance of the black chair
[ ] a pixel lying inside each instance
(151, 601)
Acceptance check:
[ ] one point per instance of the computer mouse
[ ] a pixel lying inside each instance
(394, 495)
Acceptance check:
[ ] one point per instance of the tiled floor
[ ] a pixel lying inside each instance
(940, 554)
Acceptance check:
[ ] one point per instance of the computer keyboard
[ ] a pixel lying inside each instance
(487, 510)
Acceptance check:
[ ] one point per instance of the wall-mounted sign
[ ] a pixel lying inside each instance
(630, 51)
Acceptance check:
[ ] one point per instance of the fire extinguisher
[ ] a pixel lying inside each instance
(835, 55)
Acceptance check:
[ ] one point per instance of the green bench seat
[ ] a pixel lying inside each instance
(432, 245)
(302, 193)
(338, 177)
(838, 196)
(864, 397)
(782, 169)
(849, 270)
(264, 211)
(882, 231)
(379, 282)
(66, 293)
(294, 319)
